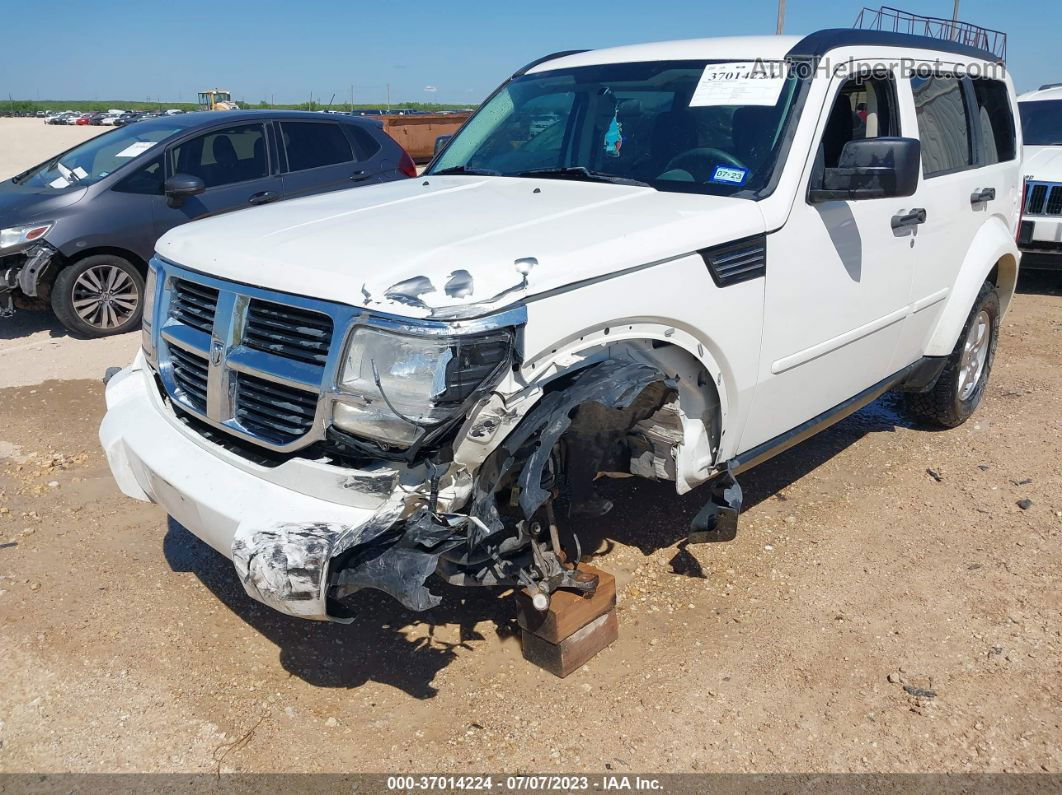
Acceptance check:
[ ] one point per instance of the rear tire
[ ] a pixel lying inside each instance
(99, 296)
(961, 384)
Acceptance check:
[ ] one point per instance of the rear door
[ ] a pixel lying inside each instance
(967, 129)
(235, 166)
(319, 158)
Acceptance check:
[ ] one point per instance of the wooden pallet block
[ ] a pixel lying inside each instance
(573, 629)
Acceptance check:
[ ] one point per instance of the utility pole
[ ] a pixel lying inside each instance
(389, 96)
(351, 97)
(781, 16)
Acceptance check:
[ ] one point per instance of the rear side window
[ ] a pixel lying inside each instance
(223, 157)
(364, 143)
(995, 122)
(314, 144)
(942, 124)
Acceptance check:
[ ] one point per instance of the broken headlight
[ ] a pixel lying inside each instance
(19, 236)
(394, 388)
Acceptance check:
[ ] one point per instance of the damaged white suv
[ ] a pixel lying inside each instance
(669, 260)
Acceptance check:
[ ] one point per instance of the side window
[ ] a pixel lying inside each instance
(942, 124)
(995, 121)
(147, 180)
(312, 144)
(865, 107)
(364, 144)
(223, 157)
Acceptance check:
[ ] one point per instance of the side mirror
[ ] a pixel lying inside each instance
(440, 142)
(181, 186)
(873, 168)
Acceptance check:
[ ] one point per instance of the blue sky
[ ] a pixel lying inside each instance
(453, 51)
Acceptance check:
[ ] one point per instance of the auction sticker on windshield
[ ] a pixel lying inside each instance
(136, 149)
(744, 83)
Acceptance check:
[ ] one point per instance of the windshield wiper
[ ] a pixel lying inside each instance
(475, 172)
(582, 172)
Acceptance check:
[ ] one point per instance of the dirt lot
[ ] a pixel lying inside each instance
(858, 581)
(24, 142)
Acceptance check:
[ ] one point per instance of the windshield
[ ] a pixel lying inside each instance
(1041, 122)
(96, 158)
(689, 126)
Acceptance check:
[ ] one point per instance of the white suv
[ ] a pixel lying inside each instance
(1041, 227)
(670, 260)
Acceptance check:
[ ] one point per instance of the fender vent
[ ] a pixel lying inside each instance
(740, 261)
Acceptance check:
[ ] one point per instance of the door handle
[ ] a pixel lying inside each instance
(358, 176)
(913, 218)
(982, 196)
(264, 197)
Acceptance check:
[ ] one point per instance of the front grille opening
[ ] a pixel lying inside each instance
(194, 305)
(1054, 202)
(288, 331)
(276, 412)
(190, 375)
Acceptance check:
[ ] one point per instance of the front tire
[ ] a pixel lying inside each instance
(99, 296)
(961, 384)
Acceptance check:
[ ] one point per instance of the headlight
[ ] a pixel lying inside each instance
(396, 386)
(149, 315)
(15, 236)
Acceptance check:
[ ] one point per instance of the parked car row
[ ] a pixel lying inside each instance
(104, 118)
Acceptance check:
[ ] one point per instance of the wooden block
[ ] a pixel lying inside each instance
(568, 610)
(575, 650)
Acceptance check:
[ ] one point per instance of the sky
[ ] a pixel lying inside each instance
(456, 51)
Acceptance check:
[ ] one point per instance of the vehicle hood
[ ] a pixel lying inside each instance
(455, 246)
(20, 204)
(1042, 163)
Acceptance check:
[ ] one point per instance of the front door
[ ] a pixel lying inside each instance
(233, 163)
(838, 277)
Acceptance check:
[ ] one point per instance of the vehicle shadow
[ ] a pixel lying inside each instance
(1040, 282)
(385, 643)
(404, 649)
(26, 322)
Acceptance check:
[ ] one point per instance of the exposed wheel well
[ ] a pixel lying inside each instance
(1004, 275)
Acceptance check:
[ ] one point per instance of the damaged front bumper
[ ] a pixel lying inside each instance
(280, 540)
(22, 276)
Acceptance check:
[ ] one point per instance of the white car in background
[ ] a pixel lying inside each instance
(1040, 238)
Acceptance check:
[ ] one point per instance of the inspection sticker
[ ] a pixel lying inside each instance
(136, 149)
(729, 175)
(745, 83)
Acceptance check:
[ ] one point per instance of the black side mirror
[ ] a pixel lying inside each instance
(440, 142)
(181, 186)
(872, 168)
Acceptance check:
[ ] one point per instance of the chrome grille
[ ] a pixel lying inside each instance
(190, 375)
(274, 411)
(194, 304)
(1043, 198)
(288, 331)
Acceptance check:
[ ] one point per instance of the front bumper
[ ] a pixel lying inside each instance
(281, 541)
(1040, 241)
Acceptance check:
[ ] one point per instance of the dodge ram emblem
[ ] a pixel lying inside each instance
(216, 349)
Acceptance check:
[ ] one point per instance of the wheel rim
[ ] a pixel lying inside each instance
(974, 354)
(105, 296)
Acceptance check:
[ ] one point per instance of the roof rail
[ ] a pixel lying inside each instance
(895, 20)
(524, 70)
(815, 45)
(1050, 85)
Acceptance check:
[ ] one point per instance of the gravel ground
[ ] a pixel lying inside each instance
(870, 616)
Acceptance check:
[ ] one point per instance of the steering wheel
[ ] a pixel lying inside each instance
(698, 160)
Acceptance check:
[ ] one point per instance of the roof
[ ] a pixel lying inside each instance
(1052, 91)
(769, 48)
(185, 121)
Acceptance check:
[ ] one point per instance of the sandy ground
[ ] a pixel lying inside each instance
(26, 142)
(868, 617)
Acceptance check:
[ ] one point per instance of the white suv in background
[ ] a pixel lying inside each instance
(669, 260)
(1041, 229)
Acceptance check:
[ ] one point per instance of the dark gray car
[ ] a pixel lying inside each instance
(76, 232)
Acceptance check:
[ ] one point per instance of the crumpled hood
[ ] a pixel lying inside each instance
(1042, 163)
(454, 246)
(20, 204)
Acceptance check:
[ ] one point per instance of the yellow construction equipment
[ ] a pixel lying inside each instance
(216, 99)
